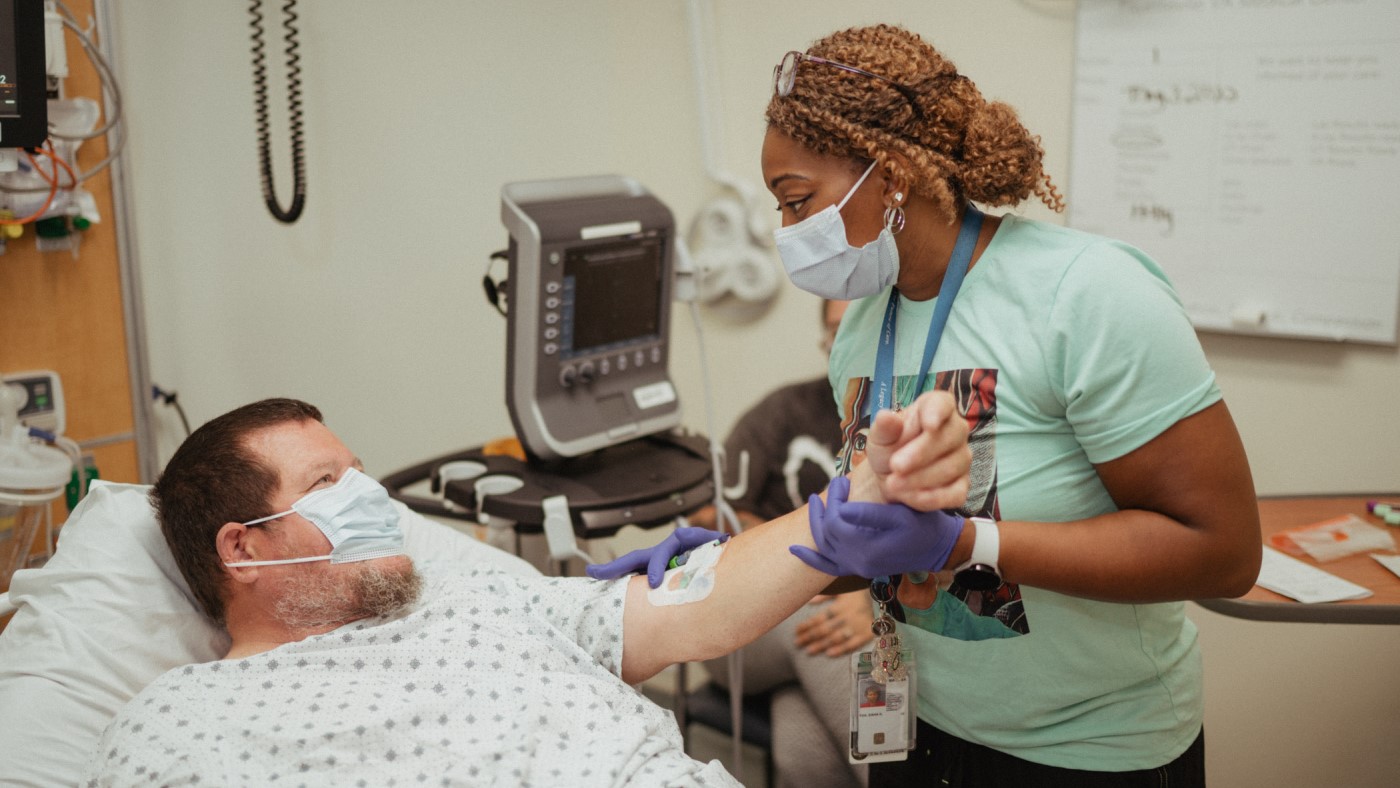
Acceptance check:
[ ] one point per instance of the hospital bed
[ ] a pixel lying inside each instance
(107, 615)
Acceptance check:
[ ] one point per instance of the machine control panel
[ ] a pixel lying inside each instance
(41, 399)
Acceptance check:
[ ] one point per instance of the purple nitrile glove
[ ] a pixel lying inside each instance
(655, 558)
(875, 539)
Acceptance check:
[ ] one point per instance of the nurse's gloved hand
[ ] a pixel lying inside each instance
(875, 539)
(655, 558)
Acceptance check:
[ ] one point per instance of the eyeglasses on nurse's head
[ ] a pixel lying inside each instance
(785, 76)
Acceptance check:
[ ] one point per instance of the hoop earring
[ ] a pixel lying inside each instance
(894, 219)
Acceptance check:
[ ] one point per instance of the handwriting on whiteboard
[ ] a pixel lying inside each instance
(1163, 96)
(1251, 147)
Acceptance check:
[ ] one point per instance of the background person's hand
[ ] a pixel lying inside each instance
(841, 626)
(655, 558)
(918, 457)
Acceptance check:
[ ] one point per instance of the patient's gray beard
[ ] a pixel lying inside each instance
(318, 600)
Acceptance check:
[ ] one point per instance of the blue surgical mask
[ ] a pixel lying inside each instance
(355, 514)
(820, 260)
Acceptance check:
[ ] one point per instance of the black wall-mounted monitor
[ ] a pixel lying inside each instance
(24, 116)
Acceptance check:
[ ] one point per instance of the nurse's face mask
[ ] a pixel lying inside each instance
(819, 259)
(355, 514)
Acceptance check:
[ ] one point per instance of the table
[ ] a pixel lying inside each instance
(1283, 512)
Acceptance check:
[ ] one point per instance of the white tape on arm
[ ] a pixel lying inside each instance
(691, 582)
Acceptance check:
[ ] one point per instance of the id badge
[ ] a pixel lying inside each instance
(883, 715)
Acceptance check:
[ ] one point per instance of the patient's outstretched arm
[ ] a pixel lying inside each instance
(919, 457)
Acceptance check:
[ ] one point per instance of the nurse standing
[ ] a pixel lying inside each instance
(1109, 482)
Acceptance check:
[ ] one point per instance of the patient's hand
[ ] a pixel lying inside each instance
(918, 457)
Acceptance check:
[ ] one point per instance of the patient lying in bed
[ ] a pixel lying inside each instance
(350, 662)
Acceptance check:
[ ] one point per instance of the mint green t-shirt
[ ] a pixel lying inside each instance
(1063, 350)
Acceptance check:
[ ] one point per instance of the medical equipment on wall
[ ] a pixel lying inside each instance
(23, 112)
(42, 405)
(40, 181)
(589, 292)
(293, 64)
(32, 475)
(727, 260)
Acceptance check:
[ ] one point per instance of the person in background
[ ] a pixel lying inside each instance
(792, 437)
(1109, 482)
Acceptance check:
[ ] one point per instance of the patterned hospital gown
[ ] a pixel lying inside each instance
(493, 680)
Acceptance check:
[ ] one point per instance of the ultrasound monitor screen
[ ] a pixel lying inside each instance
(9, 80)
(612, 294)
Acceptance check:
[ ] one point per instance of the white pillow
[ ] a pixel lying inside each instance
(108, 614)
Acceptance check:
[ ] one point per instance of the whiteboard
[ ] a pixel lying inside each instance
(1251, 147)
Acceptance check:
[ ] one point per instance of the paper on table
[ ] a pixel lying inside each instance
(1334, 538)
(1304, 582)
(1391, 562)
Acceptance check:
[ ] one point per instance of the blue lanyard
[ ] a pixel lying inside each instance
(952, 282)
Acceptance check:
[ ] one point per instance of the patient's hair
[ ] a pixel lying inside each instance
(957, 147)
(216, 478)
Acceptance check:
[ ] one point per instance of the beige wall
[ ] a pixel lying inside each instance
(371, 306)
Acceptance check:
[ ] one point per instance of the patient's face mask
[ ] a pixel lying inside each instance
(355, 514)
(819, 260)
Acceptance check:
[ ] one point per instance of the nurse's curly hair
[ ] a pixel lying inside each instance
(958, 146)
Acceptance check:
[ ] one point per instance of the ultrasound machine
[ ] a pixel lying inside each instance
(589, 290)
(591, 263)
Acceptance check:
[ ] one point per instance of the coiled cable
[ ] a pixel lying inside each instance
(294, 116)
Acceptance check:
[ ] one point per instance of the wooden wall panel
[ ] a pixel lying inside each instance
(65, 314)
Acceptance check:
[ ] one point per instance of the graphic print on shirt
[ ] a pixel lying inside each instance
(974, 391)
(803, 452)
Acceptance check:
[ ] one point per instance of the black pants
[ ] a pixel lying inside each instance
(941, 759)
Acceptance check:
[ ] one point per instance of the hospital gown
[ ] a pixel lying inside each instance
(492, 680)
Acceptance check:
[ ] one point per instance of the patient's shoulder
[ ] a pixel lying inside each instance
(438, 572)
(163, 732)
